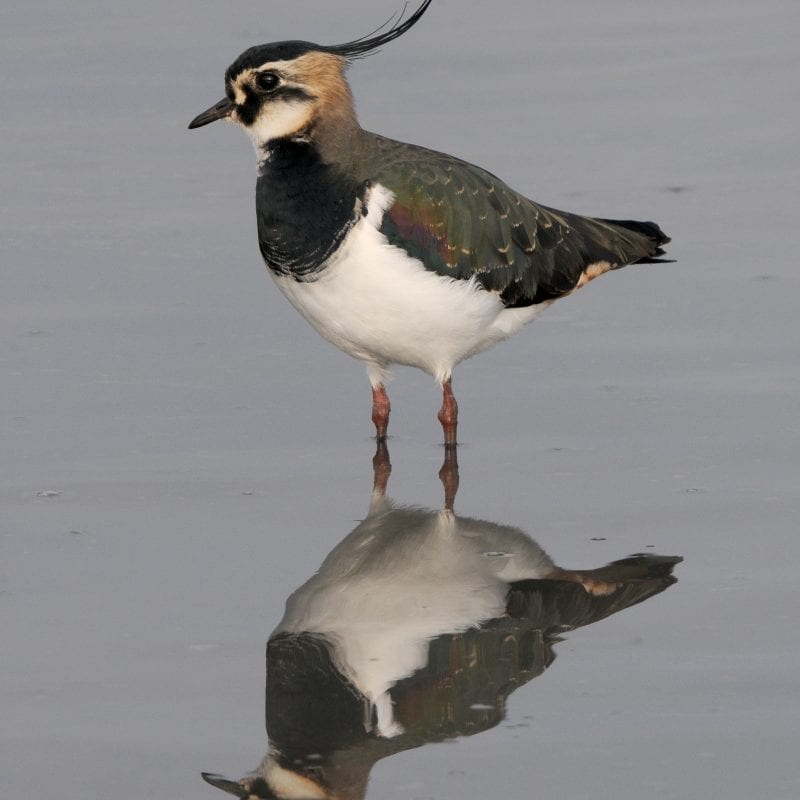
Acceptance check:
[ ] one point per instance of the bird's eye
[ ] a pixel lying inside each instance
(267, 81)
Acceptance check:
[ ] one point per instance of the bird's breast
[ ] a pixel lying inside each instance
(379, 304)
(304, 210)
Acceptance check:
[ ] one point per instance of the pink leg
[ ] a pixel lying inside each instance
(381, 468)
(448, 475)
(380, 411)
(448, 414)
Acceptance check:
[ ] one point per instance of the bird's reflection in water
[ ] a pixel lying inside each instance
(416, 629)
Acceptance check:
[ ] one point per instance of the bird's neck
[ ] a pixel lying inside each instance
(334, 128)
(335, 137)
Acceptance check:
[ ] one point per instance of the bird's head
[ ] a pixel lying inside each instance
(287, 90)
(270, 783)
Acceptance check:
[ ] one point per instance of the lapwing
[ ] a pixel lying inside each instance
(397, 254)
(415, 629)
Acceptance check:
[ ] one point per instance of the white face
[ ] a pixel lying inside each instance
(277, 120)
(291, 785)
(270, 103)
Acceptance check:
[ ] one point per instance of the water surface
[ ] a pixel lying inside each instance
(181, 452)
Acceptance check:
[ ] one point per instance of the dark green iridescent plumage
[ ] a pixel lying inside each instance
(461, 221)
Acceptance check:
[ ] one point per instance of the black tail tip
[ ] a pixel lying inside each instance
(650, 564)
(649, 229)
(652, 231)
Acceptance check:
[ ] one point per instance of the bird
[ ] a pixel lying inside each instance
(397, 254)
(415, 629)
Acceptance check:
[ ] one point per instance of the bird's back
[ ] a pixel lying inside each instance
(461, 221)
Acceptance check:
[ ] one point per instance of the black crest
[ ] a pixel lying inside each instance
(363, 46)
(358, 48)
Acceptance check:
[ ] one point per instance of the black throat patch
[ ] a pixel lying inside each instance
(304, 209)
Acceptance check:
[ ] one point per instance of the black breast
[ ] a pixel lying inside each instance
(311, 707)
(304, 209)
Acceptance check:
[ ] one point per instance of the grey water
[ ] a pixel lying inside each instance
(181, 453)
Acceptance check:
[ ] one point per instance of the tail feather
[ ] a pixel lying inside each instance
(638, 567)
(653, 234)
(573, 603)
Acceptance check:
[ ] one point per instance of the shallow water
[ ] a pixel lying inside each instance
(181, 453)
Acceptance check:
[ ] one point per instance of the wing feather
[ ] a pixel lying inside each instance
(463, 222)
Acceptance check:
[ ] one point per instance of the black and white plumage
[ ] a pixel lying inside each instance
(415, 629)
(395, 253)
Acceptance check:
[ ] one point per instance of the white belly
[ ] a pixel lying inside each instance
(403, 577)
(383, 307)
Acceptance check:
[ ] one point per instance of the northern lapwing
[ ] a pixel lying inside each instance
(395, 253)
(415, 629)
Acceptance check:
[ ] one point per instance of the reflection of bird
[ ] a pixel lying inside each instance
(415, 629)
(394, 253)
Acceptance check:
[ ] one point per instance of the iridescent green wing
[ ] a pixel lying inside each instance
(463, 222)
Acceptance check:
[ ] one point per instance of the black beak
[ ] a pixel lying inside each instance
(217, 111)
(231, 787)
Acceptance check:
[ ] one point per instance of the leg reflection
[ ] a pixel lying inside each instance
(448, 475)
(381, 469)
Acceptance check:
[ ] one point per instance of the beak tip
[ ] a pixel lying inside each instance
(219, 782)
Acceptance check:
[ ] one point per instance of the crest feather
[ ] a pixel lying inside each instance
(367, 44)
